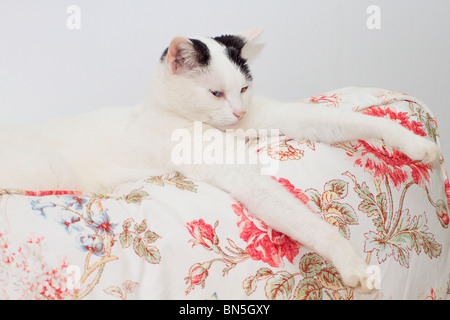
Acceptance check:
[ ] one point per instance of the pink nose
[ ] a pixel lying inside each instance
(239, 114)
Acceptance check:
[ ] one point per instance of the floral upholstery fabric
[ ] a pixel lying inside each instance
(168, 237)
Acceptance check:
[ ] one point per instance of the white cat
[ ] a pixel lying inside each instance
(208, 80)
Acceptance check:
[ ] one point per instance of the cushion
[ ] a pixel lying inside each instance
(170, 237)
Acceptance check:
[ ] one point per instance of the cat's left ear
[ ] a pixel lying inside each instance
(251, 49)
(184, 55)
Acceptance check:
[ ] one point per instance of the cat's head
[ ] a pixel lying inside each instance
(208, 79)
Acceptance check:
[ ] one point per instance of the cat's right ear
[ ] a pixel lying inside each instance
(251, 48)
(251, 35)
(181, 56)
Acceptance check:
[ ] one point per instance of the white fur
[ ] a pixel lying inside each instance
(96, 151)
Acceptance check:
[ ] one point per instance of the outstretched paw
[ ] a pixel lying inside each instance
(360, 277)
(422, 150)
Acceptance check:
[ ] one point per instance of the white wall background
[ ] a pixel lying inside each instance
(311, 46)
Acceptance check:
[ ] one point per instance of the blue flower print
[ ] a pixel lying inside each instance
(74, 201)
(92, 243)
(100, 222)
(69, 221)
(38, 206)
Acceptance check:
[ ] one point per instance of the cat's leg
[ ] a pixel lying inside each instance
(32, 168)
(341, 125)
(270, 202)
(329, 125)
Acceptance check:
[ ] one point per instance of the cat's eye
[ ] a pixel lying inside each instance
(218, 94)
(244, 89)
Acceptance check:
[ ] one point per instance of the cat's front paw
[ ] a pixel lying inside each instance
(423, 150)
(358, 276)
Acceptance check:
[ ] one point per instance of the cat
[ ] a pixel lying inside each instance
(199, 79)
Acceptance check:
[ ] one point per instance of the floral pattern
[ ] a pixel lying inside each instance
(264, 243)
(170, 237)
(23, 276)
(383, 161)
(314, 277)
(205, 235)
(397, 232)
(331, 100)
(87, 221)
(121, 292)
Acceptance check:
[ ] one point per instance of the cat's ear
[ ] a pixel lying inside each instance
(251, 35)
(251, 49)
(184, 55)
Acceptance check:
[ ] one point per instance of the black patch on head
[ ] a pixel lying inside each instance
(231, 41)
(234, 45)
(235, 56)
(203, 54)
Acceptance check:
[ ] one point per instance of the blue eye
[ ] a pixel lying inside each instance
(218, 94)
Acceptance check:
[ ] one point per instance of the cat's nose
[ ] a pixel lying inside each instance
(239, 114)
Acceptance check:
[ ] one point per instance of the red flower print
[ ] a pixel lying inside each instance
(392, 164)
(387, 162)
(447, 191)
(401, 118)
(284, 152)
(290, 187)
(197, 275)
(51, 192)
(332, 100)
(203, 234)
(25, 273)
(432, 296)
(264, 243)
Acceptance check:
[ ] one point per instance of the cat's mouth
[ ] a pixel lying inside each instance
(225, 126)
(223, 123)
